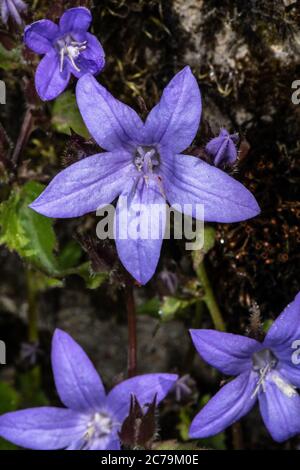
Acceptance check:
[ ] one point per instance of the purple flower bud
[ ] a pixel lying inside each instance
(223, 149)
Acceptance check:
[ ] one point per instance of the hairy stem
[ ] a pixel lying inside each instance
(132, 336)
(209, 298)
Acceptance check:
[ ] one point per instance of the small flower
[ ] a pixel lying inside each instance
(68, 48)
(223, 148)
(12, 8)
(92, 419)
(266, 371)
(143, 165)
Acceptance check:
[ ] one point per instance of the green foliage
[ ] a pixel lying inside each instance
(166, 309)
(208, 244)
(66, 116)
(175, 445)
(25, 231)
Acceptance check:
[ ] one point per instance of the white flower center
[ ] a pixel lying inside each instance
(99, 426)
(71, 49)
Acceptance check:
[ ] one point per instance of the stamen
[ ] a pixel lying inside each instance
(69, 48)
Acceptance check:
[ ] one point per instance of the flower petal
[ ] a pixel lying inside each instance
(85, 186)
(222, 148)
(229, 353)
(174, 121)
(140, 227)
(284, 339)
(231, 403)
(189, 181)
(77, 381)
(49, 81)
(45, 428)
(280, 412)
(91, 60)
(75, 19)
(4, 12)
(113, 125)
(39, 36)
(143, 387)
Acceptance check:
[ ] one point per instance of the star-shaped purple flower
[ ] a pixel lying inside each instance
(268, 372)
(92, 419)
(68, 48)
(144, 166)
(223, 149)
(12, 8)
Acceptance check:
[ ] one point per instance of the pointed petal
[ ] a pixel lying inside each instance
(229, 353)
(144, 387)
(140, 227)
(222, 148)
(174, 121)
(45, 428)
(230, 404)
(75, 19)
(91, 60)
(280, 412)
(113, 125)
(49, 81)
(190, 181)
(77, 381)
(284, 339)
(85, 186)
(14, 12)
(39, 36)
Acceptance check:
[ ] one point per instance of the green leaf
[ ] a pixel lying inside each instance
(10, 59)
(92, 280)
(9, 398)
(66, 116)
(25, 231)
(151, 307)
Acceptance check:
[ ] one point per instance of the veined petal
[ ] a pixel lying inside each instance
(189, 181)
(85, 186)
(144, 388)
(113, 124)
(140, 227)
(174, 121)
(280, 411)
(77, 381)
(231, 403)
(49, 81)
(229, 353)
(39, 36)
(283, 338)
(92, 59)
(4, 12)
(75, 19)
(45, 428)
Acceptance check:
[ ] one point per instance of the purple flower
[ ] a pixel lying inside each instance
(68, 48)
(144, 166)
(223, 148)
(268, 371)
(92, 419)
(12, 8)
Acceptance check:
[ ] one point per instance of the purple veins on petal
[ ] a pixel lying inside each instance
(265, 371)
(144, 168)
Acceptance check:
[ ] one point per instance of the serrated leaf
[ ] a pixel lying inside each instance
(66, 116)
(25, 231)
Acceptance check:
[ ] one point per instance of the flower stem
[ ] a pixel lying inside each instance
(132, 336)
(33, 332)
(209, 298)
